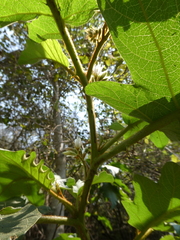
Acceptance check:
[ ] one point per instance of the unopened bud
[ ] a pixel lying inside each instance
(78, 143)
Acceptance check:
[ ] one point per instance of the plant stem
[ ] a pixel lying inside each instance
(79, 70)
(155, 125)
(57, 220)
(66, 203)
(143, 235)
(118, 136)
(68, 41)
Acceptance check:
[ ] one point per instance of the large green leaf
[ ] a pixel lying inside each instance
(148, 37)
(43, 28)
(15, 225)
(76, 13)
(21, 10)
(49, 49)
(73, 13)
(155, 203)
(20, 175)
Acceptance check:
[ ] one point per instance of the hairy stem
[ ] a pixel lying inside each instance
(156, 125)
(63, 200)
(144, 235)
(79, 69)
(118, 136)
(67, 40)
(57, 220)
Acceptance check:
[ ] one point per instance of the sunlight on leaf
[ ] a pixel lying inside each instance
(159, 139)
(20, 175)
(103, 177)
(147, 34)
(49, 49)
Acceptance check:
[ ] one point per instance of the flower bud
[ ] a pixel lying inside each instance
(78, 143)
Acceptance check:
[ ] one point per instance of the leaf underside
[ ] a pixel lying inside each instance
(155, 203)
(20, 175)
(148, 37)
(19, 223)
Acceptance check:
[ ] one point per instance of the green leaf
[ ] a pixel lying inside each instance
(122, 167)
(103, 177)
(153, 27)
(105, 222)
(116, 126)
(147, 36)
(13, 202)
(110, 192)
(73, 13)
(129, 119)
(77, 13)
(159, 139)
(135, 129)
(169, 237)
(43, 28)
(49, 49)
(21, 175)
(19, 223)
(21, 10)
(70, 182)
(155, 203)
(9, 210)
(123, 186)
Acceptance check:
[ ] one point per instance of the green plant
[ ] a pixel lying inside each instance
(147, 35)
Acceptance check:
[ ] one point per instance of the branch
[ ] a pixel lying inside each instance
(119, 135)
(63, 200)
(156, 125)
(57, 220)
(68, 41)
(79, 70)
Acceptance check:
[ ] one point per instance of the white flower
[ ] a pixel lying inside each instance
(98, 74)
(78, 186)
(58, 181)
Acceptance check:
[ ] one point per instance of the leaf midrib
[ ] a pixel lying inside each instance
(161, 58)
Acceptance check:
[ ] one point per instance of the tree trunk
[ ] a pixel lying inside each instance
(60, 164)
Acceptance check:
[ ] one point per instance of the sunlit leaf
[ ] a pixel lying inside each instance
(49, 49)
(103, 177)
(143, 32)
(159, 139)
(21, 10)
(77, 13)
(43, 28)
(22, 175)
(116, 126)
